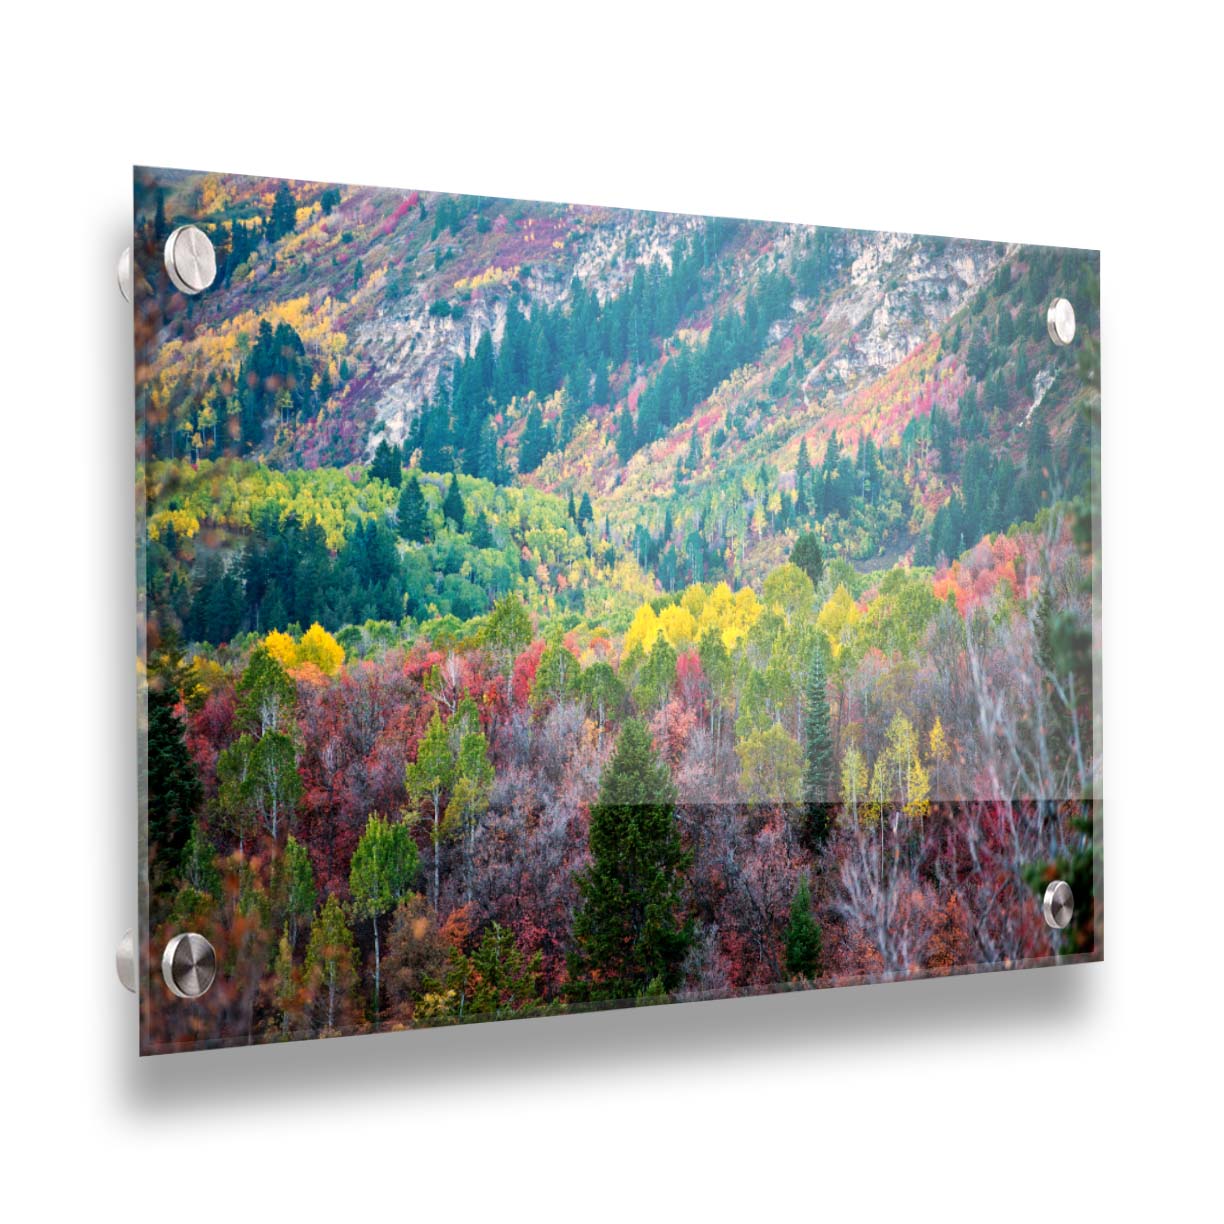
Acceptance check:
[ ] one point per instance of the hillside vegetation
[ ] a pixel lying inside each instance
(552, 605)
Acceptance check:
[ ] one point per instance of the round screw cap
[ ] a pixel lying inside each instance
(1060, 321)
(191, 260)
(189, 965)
(1058, 904)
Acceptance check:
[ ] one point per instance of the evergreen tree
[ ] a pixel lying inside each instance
(452, 505)
(387, 464)
(535, 443)
(802, 477)
(629, 927)
(174, 791)
(413, 520)
(817, 749)
(585, 513)
(284, 213)
(803, 936)
(807, 555)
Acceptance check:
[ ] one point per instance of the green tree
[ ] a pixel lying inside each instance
(629, 926)
(770, 766)
(470, 796)
(266, 695)
(412, 517)
(536, 442)
(273, 783)
(431, 776)
(297, 886)
(199, 863)
(330, 962)
(556, 677)
(497, 981)
(657, 675)
(508, 631)
(452, 504)
(803, 936)
(383, 867)
(603, 693)
(174, 791)
(807, 555)
(817, 749)
(284, 213)
(387, 464)
(233, 788)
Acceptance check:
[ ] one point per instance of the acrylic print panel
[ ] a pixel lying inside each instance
(550, 607)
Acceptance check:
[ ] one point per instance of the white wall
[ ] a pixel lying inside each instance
(1056, 1093)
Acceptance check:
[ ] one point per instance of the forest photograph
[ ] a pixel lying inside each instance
(548, 607)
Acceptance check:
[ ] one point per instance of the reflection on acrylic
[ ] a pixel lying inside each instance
(552, 607)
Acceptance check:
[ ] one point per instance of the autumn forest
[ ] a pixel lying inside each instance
(547, 608)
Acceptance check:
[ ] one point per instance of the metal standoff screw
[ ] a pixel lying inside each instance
(189, 965)
(1058, 905)
(190, 259)
(1060, 321)
(125, 961)
(124, 272)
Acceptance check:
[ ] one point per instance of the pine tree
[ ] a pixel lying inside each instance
(817, 750)
(629, 926)
(452, 505)
(585, 513)
(412, 516)
(387, 464)
(803, 473)
(807, 555)
(174, 790)
(284, 213)
(803, 936)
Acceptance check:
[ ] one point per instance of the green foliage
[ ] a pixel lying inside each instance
(508, 631)
(629, 927)
(266, 695)
(804, 943)
(387, 464)
(817, 749)
(174, 790)
(297, 886)
(771, 766)
(411, 515)
(331, 965)
(808, 556)
(498, 981)
(382, 870)
(556, 678)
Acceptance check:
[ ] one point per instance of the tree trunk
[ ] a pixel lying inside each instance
(377, 967)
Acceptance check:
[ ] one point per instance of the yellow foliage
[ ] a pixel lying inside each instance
(678, 627)
(282, 648)
(317, 650)
(838, 618)
(643, 631)
(320, 648)
(185, 524)
(490, 276)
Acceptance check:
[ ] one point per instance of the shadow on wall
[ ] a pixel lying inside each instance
(503, 1057)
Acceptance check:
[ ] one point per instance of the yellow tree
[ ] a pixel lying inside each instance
(939, 753)
(854, 781)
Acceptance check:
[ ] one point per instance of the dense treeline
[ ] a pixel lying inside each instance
(575, 345)
(747, 790)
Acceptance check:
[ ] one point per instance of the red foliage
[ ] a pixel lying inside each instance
(524, 673)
